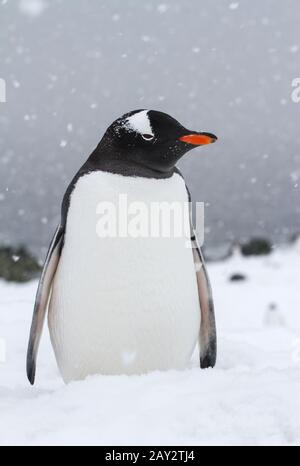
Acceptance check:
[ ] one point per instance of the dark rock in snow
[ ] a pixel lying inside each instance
(18, 265)
(238, 277)
(257, 247)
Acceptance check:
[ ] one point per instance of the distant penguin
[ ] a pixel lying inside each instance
(273, 317)
(122, 304)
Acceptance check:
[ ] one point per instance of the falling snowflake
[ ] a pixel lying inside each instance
(234, 6)
(294, 48)
(162, 8)
(32, 8)
(196, 49)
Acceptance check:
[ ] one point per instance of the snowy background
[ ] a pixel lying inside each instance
(227, 67)
(220, 65)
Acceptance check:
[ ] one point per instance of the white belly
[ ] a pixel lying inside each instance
(122, 305)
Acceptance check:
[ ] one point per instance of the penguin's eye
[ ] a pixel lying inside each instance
(148, 137)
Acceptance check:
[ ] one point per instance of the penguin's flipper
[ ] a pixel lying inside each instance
(41, 302)
(208, 332)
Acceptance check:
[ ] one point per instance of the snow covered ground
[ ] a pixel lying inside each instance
(251, 398)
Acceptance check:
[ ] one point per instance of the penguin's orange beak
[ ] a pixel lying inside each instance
(199, 139)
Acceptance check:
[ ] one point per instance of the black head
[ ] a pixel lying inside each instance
(150, 139)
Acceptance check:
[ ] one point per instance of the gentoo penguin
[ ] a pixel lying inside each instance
(120, 304)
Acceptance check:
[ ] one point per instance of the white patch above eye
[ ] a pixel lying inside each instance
(140, 123)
